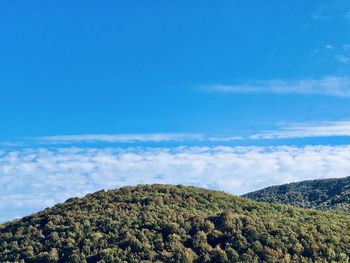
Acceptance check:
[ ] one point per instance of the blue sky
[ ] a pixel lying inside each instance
(229, 95)
(138, 67)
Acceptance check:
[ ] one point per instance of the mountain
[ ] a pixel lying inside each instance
(163, 223)
(324, 194)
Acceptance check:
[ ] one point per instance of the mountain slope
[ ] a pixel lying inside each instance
(174, 224)
(324, 194)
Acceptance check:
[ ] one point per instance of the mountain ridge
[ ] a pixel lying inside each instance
(323, 194)
(164, 223)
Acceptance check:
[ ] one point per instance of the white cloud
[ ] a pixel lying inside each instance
(12, 144)
(224, 138)
(328, 86)
(305, 130)
(121, 138)
(343, 59)
(32, 179)
(133, 138)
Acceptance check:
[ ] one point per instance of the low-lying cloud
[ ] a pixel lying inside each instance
(32, 179)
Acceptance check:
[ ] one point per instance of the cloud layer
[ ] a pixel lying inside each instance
(288, 131)
(328, 86)
(32, 179)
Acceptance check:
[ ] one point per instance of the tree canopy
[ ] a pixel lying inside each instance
(323, 194)
(164, 223)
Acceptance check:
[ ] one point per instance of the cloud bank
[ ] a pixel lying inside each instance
(32, 179)
(328, 86)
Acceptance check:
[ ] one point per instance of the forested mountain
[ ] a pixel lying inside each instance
(162, 223)
(324, 194)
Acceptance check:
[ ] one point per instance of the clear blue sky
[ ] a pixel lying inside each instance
(82, 67)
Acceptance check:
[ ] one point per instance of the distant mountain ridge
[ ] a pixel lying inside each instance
(164, 223)
(324, 194)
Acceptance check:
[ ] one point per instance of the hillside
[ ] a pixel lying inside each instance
(324, 194)
(174, 224)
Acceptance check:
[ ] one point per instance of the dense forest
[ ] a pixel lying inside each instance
(162, 223)
(324, 194)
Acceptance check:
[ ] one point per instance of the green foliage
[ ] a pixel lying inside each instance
(161, 223)
(324, 194)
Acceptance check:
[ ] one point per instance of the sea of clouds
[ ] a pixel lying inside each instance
(32, 179)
